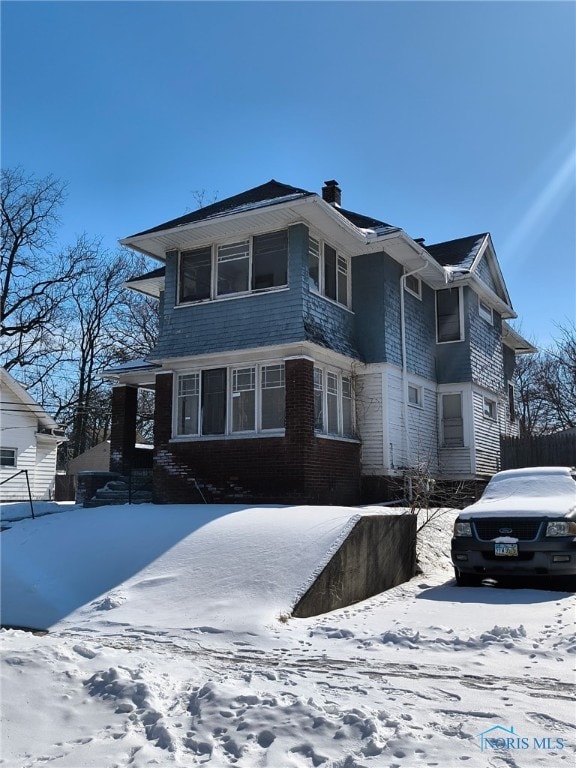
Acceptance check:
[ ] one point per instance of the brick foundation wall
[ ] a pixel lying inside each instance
(297, 468)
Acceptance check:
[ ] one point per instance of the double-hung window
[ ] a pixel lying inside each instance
(255, 264)
(449, 315)
(328, 271)
(226, 401)
(333, 411)
(452, 421)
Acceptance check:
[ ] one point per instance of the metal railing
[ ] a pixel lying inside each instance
(22, 472)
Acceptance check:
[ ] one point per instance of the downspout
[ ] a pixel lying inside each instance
(404, 361)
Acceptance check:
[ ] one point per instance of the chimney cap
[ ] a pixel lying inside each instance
(331, 183)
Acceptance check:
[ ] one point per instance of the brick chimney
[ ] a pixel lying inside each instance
(331, 192)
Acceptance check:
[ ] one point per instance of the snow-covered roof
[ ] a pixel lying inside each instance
(29, 404)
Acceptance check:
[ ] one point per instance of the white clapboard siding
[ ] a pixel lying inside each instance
(423, 433)
(45, 470)
(369, 420)
(486, 435)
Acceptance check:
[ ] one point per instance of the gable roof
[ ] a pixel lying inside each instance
(26, 404)
(271, 193)
(457, 253)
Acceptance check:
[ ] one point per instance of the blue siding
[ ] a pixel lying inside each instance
(486, 351)
(376, 303)
(241, 323)
(453, 358)
(368, 280)
(420, 319)
(485, 274)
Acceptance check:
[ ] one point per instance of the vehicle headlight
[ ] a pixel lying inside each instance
(462, 529)
(561, 528)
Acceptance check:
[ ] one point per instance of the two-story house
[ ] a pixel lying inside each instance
(311, 354)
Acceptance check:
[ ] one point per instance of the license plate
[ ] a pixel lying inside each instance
(506, 550)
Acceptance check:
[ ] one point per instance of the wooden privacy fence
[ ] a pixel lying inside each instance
(541, 451)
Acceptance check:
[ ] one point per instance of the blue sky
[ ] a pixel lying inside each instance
(445, 118)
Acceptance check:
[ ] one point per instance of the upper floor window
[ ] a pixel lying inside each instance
(221, 401)
(485, 311)
(449, 320)
(333, 412)
(255, 264)
(413, 285)
(329, 271)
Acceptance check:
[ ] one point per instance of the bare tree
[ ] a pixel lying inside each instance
(34, 281)
(546, 386)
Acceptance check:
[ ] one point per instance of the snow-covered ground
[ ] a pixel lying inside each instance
(169, 644)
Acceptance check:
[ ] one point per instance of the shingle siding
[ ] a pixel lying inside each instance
(421, 333)
(486, 437)
(485, 274)
(486, 355)
(263, 319)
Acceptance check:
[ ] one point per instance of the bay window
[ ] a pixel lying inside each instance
(333, 411)
(273, 395)
(328, 271)
(247, 266)
(225, 401)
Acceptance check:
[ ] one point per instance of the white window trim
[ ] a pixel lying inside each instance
(461, 317)
(409, 290)
(320, 291)
(214, 249)
(15, 453)
(228, 433)
(340, 374)
(465, 421)
(488, 404)
(420, 395)
(485, 311)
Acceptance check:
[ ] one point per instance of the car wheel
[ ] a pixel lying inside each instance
(467, 579)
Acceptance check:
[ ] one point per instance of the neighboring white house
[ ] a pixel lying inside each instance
(29, 439)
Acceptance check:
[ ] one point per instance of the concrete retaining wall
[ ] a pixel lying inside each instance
(379, 553)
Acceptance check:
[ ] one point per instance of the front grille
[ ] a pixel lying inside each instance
(521, 529)
(500, 559)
